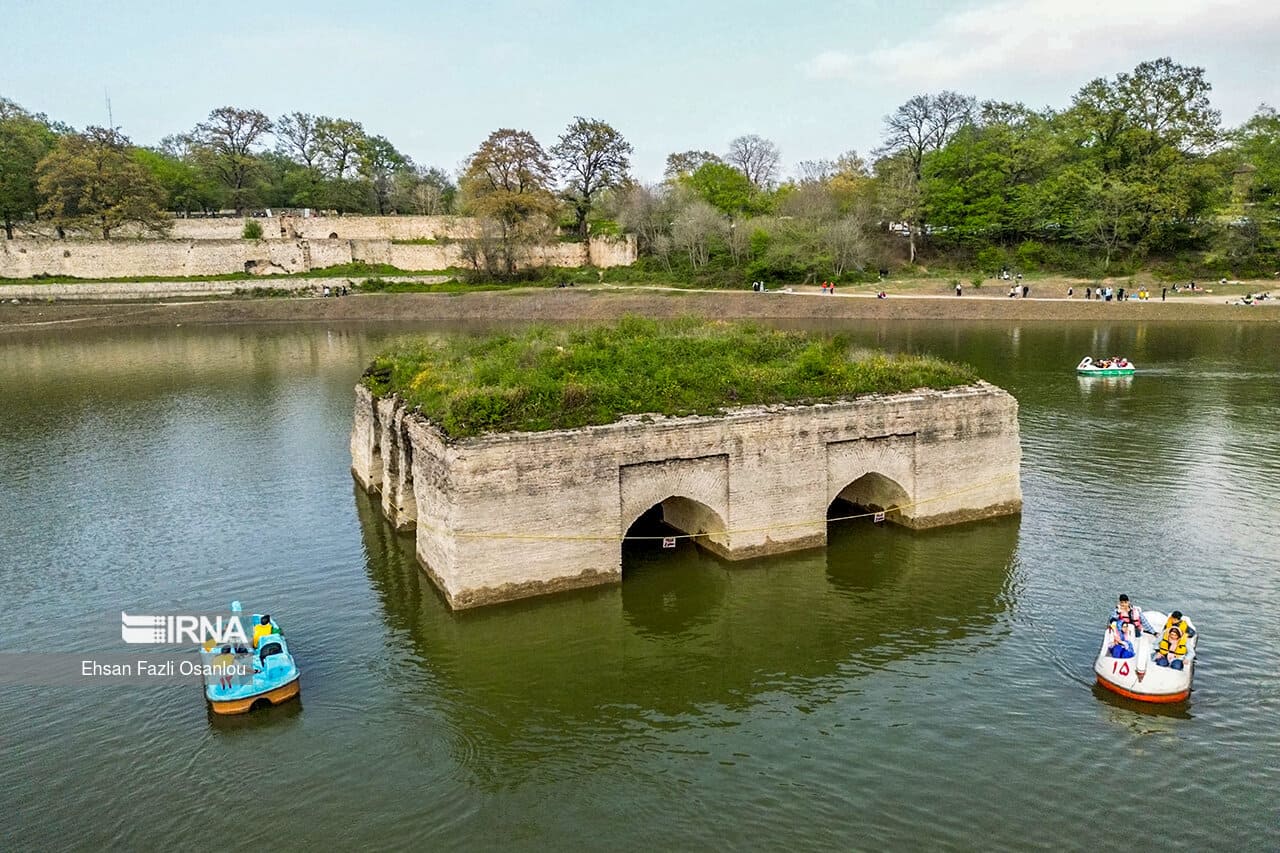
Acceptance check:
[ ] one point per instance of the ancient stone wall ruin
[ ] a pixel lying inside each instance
(196, 247)
(506, 516)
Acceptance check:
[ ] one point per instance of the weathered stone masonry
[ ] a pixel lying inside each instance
(496, 516)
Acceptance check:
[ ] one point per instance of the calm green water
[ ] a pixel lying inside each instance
(898, 689)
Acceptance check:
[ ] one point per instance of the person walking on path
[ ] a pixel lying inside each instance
(958, 292)
(1164, 291)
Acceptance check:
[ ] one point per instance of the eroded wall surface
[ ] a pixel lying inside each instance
(511, 515)
(195, 247)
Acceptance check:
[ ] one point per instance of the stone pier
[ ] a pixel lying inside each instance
(511, 515)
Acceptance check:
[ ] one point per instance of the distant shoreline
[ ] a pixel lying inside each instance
(604, 303)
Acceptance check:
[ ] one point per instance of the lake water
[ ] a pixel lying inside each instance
(898, 689)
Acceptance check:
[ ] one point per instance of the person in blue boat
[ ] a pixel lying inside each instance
(224, 662)
(1173, 648)
(263, 628)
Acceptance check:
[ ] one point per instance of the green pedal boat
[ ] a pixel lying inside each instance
(1105, 367)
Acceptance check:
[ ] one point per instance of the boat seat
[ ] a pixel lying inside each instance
(268, 648)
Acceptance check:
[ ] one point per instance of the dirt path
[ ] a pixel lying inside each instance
(602, 303)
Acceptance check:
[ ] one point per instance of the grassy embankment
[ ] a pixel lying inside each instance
(340, 271)
(912, 281)
(546, 378)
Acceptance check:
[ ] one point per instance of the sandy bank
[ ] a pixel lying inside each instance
(604, 304)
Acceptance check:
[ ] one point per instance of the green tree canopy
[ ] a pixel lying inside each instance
(725, 188)
(92, 180)
(591, 156)
(225, 145)
(683, 163)
(507, 181)
(25, 139)
(186, 188)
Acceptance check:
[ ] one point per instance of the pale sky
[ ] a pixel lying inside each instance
(816, 76)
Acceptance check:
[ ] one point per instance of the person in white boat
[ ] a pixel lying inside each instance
(1119, 644)
(1129, 616)
(1173, 648)
(1176, 619)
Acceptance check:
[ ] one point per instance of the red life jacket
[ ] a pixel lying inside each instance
(1133, 617)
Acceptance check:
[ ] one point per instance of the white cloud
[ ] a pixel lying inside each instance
(1050, 38)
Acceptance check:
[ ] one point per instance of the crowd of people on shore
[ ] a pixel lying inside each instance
(1018, 289)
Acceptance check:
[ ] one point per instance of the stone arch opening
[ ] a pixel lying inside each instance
(675, 516)
(872, 492)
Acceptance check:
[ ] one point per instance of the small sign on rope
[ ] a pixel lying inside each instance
(669, 542)
(879, 517)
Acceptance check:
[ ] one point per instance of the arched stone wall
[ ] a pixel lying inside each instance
(696, 518)
(877, 492)
(704, 479)
(511, 515)
(892, 461)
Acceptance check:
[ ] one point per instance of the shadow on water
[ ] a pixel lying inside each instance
(668, 592)
(283, 714)
(1168, 710)
(687, 635)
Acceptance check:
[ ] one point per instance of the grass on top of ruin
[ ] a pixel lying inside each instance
(547, 378)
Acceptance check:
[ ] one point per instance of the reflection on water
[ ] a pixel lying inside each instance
(1101, 384)
(687, 630)
(897, 689)
(1131, 712)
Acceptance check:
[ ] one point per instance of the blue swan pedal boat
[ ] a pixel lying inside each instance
(239, 678)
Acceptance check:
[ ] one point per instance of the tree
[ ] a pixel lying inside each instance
(815, 171)
(338, 141)
(898, 195)
(810, 199)
(683, 163)
(92, 180)
(425, 191)
(591, 156)
(923, 124)
(225, 144)
(379, 161)
(722, 186)
(25, 140)
(697, 229)
(987, 183)
(1149, 131)
(508, 181)
(647, 211)
(755, 157)
(1258, 144)
(297, 138)
(1253, 171)
(185, 187)
(846, 244)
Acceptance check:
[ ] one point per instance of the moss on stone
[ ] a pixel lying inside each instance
(557, 378)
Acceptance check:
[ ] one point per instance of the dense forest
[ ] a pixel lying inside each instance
(1137, 171)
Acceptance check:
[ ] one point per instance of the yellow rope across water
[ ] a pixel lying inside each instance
(566, 537)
